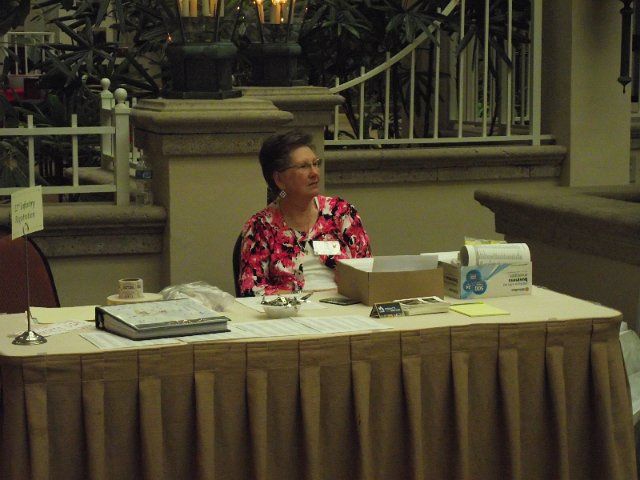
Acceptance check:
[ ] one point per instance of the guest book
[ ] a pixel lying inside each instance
(168, 318)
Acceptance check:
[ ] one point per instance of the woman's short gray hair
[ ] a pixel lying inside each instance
(275, 154)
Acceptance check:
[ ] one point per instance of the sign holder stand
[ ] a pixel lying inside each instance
(29, 337)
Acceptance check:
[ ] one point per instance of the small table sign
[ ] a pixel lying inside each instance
(386, 309)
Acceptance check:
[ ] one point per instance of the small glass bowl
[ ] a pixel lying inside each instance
(280, 311)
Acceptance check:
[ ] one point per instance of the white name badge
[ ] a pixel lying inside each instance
(326, 247)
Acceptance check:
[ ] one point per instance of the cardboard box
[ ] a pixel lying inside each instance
(483, 281)
(357, 279)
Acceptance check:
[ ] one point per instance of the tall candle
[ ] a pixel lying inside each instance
(275, 12)
(193, 8)
(206, 11)
(184, 8)
(260, 10)
(213, 4)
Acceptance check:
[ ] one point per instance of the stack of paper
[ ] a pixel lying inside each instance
(422, 305)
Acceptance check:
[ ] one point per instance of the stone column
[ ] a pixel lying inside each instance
(584, 106)
(204, 155)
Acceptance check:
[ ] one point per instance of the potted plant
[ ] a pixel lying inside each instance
(13, 14)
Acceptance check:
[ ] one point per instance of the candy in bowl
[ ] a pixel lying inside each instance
(280, 307)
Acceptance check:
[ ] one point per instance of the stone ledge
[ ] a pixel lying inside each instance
(73, 230)
(600, 221)
(443, 164)
(309, 105)
(177, 117)
(289, 98)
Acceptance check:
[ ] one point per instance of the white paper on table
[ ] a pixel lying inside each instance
(232, 334)
(275, 328)
(292, 326)
(42, 315)
(106, 340)
(254, 302)
(345, 323)
(58, 328)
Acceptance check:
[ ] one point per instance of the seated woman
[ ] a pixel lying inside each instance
(294, 242)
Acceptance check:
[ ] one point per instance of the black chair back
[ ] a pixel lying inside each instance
(236, 264)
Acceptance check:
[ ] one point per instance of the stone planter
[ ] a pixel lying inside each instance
(274, 64)
(202, 70)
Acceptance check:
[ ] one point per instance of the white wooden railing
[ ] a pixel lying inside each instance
(464, 92)
(115, 145)
(27, 52)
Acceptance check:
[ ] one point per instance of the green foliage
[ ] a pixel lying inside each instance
(69, 67)
(14, 168)
(476, 30)
(72, 72)
(495, 30)
(338, 38)
(13, 13)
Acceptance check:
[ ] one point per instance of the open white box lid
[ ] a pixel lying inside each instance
(394, 263)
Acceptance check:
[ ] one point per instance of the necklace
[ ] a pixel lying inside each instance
(303, 222)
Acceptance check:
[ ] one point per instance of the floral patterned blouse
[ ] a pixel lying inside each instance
(272, 252)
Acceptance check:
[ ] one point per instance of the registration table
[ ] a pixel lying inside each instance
(540, 393)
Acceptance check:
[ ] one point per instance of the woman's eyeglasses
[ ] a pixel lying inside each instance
(307, 166)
